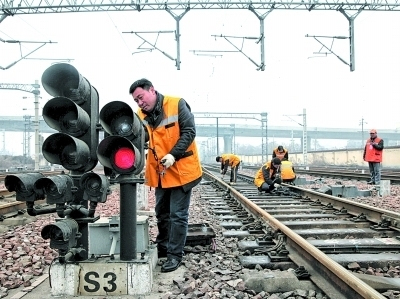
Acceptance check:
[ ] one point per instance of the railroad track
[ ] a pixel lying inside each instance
(359, 175)
(319, 235)
(344, 173)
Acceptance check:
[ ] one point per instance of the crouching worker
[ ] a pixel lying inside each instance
(268, 177)
(287, 172)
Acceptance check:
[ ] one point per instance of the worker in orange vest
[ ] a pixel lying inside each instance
(268, 177)
(280, 153)
(373, 155)
(231, 160)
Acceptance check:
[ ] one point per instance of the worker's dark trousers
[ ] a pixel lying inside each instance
(172, 212)
(234, 172)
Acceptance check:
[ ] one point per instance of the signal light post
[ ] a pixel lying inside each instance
(123, 152)
(74, 112)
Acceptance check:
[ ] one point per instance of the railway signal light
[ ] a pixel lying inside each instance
(95, 187)
(123, 150)
(63, 234)
(74, 113)
(58, 189)
(24, 186)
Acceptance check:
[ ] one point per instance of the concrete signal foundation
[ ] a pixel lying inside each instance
(104, 277)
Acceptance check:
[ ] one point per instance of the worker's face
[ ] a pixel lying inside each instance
(146, 99)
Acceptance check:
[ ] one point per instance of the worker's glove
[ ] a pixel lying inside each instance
(168, 160)
(221, 171)
(276, 185)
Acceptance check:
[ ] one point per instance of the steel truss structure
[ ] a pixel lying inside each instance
(350, 9)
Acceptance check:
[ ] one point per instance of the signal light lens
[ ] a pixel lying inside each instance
(124, 158)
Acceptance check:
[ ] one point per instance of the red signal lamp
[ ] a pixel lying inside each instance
(124, 158)
(119, 154)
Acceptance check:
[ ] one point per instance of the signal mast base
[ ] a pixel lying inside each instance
(104, 276)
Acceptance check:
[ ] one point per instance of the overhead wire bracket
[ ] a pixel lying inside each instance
(20, 49)
(329, 49)
(153, 45)
(240, 50)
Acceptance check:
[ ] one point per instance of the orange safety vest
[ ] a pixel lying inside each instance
(287, 172)
(162, 139)
(371, 153)
(259, 178)
(233, 159)
(280, 155)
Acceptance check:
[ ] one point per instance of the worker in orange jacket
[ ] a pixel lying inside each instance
(268, 177)
(281, 153)
(231, 160)
(373, 155)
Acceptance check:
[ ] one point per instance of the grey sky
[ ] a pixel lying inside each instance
(332, 95)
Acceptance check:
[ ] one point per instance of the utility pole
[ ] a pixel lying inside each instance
(27, 138)
(304, 125)
(36, 125)
(362, 123)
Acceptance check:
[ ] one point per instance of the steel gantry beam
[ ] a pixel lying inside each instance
(179, 8)
(31, 88)
(11, 7)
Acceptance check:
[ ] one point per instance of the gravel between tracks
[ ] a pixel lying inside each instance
(25, 256)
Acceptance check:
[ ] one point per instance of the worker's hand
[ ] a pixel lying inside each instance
(276, 185)
(168, 160)
(221, 171)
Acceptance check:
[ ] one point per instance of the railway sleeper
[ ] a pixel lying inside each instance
(277, 282)
(341, 233)
(356, 262)
(12, 214)
(266, 262)
(325, 224)
(365, 245)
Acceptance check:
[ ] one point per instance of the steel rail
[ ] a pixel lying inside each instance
(5, 193)
(349, 175)
(371, 213)
(341, 283)
(11, 207)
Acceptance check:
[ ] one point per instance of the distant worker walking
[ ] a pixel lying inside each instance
(287, 172)
(373, 155)
(280, 153)
(268, 177)
(231, 160)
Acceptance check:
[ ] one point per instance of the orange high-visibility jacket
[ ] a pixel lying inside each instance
(279, 155)
(232, 160)
(287, 172)
(265, 173)
(372, 154)
(162, 139)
